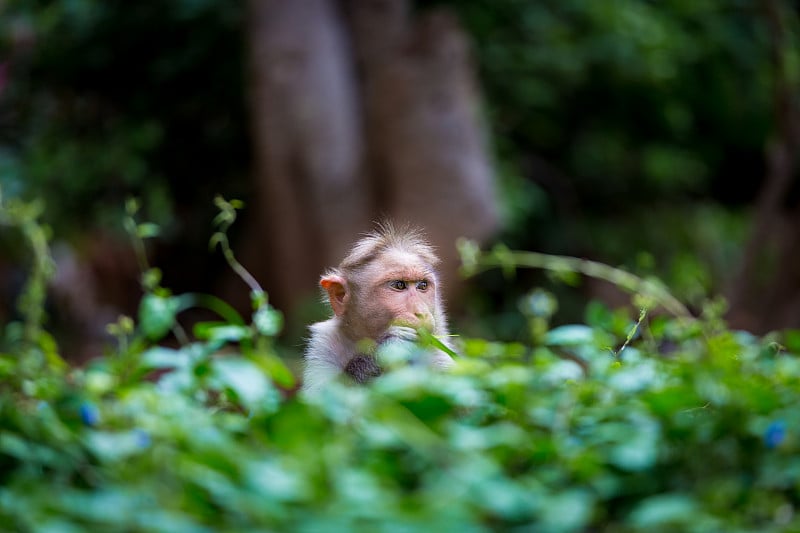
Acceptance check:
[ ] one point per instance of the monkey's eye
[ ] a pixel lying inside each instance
(422, 285)
(398, 285)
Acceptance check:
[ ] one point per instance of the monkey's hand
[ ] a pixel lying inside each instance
(399, 333)
(398, 347)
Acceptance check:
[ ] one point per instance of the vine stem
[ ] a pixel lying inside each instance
(560, 263)
(31, 302)
(224, 220)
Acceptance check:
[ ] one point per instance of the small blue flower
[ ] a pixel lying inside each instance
(142, 438)
(775, 434)
(89, 414)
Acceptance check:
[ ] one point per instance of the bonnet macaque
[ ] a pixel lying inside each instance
(384, 291)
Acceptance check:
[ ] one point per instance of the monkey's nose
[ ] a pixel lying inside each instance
(424, 319)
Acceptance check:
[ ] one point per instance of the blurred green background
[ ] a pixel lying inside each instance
(633, 132)
(657, 136)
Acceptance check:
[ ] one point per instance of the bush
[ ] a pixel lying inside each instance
(657, 423)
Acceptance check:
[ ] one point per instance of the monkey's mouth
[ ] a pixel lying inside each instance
(414, 323)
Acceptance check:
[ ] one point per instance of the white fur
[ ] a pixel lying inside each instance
(329, 351)
(326, 356)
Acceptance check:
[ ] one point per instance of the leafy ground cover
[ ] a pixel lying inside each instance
(631, 421)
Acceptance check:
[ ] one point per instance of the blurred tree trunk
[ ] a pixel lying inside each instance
(359, 112)
(765, 293)
(426, 145)
(308, 144)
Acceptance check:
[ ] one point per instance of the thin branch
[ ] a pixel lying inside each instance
(560, 263)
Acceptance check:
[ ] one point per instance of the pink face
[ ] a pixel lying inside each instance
(401, 289)
(397, 288)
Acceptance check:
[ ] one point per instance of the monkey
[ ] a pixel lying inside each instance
(384, 291)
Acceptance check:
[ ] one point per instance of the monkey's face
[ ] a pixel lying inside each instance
(396, 289)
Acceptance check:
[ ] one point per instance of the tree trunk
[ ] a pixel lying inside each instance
(766, 290)
(311, 196)
(343, 135)
(428, 155)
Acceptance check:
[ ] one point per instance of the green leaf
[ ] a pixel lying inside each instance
(634, 377)
(564, 370)
(279, 372)
(664, 510)
(160, 357)
(131, 205)
(469, 251)
(157, 315)
(639, 447)
(212, 303)
(538, 303)
(569, 335)
(258, 298)
(151, 278)
(268, 321)
(148, 230)
(568, 511)
(221, 331)
(15, 446)
(115, 446)
(792, 340)
(275, 482)
(245, 379)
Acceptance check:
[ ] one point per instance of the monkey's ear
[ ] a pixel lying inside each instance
(336, 287)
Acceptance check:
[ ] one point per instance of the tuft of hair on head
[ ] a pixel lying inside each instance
(386, 236)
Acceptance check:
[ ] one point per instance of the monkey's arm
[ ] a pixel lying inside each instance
(404, 334)
(399, 333)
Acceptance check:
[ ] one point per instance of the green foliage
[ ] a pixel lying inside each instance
(621, 93)
(100, 100)
(605, 116)
(623, 125)
(649, 291)
(626, 423)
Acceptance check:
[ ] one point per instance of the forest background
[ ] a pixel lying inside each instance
(642, 156)
(661, 137)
